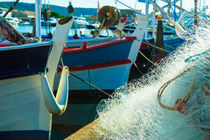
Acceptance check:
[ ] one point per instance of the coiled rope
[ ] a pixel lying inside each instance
(184, 100)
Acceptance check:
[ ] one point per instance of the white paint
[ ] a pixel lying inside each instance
(38, 17)
(142, 22)
(59, 41)
(22, 105)
(56, 106)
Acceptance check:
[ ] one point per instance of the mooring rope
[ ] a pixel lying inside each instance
(90, 85)
(156, 47)
(130, 23)
(147, 58)
(85, 81)
(163, 87)
(137, 68)
(207, 91)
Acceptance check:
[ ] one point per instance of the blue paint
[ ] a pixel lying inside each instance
(172, 43)
(97, 56)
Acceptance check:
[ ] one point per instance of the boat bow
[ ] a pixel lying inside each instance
(56, 105)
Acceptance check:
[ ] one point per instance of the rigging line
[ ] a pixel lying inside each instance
(91, 85)
(137, 68)
(62, 62)
(11, 8)
(88, 83)
(157, 47)
(147, 58)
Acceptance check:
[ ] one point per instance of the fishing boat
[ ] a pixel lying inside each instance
(176, 92)
(50, 22)
(112, 58)
(180, 98)
(26, 83)
(105, 66)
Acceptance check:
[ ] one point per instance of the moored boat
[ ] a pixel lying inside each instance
(26, 83)
(105, 65)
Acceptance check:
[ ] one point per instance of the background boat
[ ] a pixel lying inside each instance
(103, 65)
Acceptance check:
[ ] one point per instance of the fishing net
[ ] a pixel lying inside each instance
(134, 112)
(186, 21)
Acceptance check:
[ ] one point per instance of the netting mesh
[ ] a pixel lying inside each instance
(134, 112)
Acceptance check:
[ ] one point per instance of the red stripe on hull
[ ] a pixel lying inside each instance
(6, 45)
(102, 45)
(144, 45)
(97, 66)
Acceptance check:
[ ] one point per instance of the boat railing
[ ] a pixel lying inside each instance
(14, 47)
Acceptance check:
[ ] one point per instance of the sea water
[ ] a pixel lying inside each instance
(45, 30)
(133, 113)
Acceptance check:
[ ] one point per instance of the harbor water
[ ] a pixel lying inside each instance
(45, 30)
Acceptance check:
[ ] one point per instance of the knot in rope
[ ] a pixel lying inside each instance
(181, 106)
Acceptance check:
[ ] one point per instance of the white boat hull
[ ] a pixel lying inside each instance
(23, 108)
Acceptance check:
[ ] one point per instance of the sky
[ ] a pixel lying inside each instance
(187, 4)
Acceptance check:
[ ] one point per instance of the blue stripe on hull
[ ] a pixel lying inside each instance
(27, 134)
(102, 55)
(172, 43)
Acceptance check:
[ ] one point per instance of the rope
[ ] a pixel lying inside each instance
(205, 127)
(62, 62)
(195, 57)
(129, 24)
(119, 33)
(207, 91)
(147, 58)
(163, 87)
(90, 84)
(97, 31)
(137, 68)
(102, 24)
(156, 47)
(107, 32)
(11, 8)
(86, 82)
(169, 46)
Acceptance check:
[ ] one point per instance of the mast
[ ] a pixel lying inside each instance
(169, 8)
(38, 17)
(146, 12)
(180, 6)
(153, 23)
(174, 10)
(164, 14)
(195, 14)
